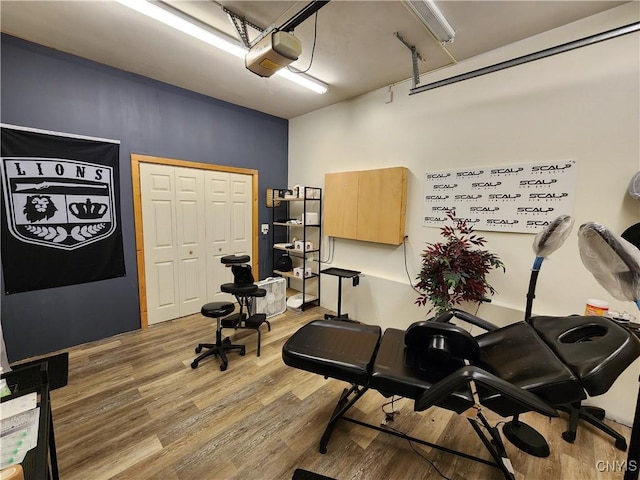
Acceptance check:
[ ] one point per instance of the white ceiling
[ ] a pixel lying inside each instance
(356, 50)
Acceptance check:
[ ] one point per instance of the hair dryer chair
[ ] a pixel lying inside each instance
(615, 264)
(546, 242)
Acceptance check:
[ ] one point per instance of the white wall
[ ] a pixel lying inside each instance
(582, 105)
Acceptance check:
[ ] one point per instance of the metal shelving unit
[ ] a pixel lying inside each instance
(286, 226)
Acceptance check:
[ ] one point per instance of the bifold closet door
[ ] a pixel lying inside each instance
(174, 240)
(229, 217)
(191, 239)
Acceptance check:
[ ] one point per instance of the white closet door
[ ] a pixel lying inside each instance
(191, 239)
(191, 219)
(160, 243)
(229, 213)
(241, 214)
(218, 234)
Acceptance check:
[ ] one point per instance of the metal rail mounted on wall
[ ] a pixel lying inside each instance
(566, 47)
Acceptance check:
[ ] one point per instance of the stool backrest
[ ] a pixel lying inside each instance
(242, 274)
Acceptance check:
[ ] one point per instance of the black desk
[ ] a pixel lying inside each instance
(40, 376)
(22, 382)
(341, 273)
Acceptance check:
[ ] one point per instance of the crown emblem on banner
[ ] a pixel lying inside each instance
(88, 210)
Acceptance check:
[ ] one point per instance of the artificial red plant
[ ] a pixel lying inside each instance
(455, 271)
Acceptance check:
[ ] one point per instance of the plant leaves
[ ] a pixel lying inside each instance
(454, 271)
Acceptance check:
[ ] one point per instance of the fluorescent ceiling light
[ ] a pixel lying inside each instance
(302, 80)
(217, 40)
(433, 19)
(164, 16)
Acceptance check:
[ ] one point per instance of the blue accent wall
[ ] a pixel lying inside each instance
(50, 90)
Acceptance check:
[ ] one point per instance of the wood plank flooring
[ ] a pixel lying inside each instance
(134, 409)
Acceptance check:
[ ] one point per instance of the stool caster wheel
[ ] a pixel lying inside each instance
(198, 349)
(227, 340)
(194, 365)
(223, 367)
(242, 352)
(569, 436)
(621, 444)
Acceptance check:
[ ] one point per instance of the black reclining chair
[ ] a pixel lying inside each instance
(615, 264)
(596, 349)
(518, 368)
(245, 291)
(435, 364)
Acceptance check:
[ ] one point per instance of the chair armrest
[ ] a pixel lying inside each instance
(447, 386)
(466, 317)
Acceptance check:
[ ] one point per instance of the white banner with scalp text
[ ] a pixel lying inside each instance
(521, 198)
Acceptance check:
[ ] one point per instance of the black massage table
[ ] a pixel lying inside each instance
(509, 371)
(361, 356)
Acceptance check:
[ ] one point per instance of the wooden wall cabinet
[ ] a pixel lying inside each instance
(368, 205)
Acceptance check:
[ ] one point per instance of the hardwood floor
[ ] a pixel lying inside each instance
(134, 409)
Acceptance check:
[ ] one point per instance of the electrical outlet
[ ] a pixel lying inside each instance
(265, 228)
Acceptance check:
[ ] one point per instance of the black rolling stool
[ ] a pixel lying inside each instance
(245, 291)
(217, 310)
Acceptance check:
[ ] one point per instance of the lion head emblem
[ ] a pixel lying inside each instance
(39, 207)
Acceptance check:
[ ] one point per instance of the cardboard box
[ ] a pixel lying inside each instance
(298, 272)
(298, 245)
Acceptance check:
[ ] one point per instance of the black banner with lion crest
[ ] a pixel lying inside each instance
(60, 209)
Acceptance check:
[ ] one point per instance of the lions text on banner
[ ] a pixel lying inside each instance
(60, 210)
